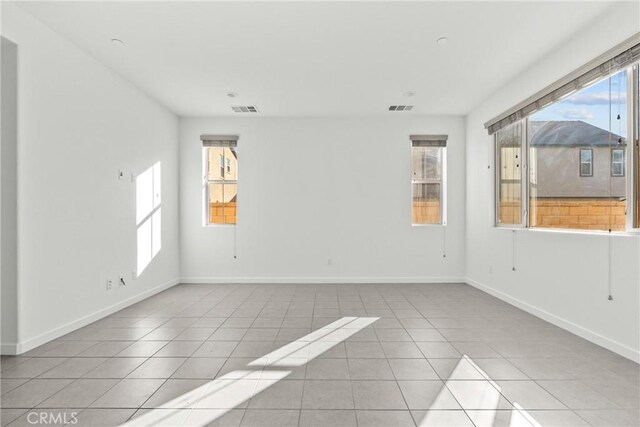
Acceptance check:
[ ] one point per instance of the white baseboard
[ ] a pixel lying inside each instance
(24, 346)
(8, 348)
(320, 280)
(578, 330)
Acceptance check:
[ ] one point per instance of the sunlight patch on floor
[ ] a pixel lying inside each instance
(479, 394)
(223, 394)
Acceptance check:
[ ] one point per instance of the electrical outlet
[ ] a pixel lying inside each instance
(329, 261)
(109, 284)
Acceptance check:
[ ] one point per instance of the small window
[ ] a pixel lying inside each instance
(428, 157)
(221, 185)
(586, 162)
(617, 162)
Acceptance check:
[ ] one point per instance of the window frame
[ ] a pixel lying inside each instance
(633, 156)
(443, 189)
(590, 163)
(621, 163)
(206, 182)
(524, 187)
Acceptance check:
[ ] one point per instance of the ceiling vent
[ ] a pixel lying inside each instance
(400, 107)
(244, 108)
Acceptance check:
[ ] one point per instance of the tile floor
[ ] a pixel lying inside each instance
(320, 355)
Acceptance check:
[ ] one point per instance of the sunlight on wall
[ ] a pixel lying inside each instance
(148, 216)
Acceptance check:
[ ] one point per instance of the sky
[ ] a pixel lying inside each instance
(595, 104)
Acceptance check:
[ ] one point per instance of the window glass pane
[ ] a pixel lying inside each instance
(618, 155)
(509, 163)
(617, 169)
(223, 203)
(572, 175)
(426, 203)
(216, 163)
(427, 163)
(231, 156)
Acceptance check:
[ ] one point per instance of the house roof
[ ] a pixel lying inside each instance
(575, 133)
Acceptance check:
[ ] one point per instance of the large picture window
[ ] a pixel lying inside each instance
(572, 155)
(220, 179)
(590, 125)
(428, 158)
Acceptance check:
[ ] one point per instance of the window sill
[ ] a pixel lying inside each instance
(632, 232)
(428, 225)
(219, 225)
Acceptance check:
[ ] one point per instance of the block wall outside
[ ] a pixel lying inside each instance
(425, 212)
(223, 213)
(584, 214)
(422, 213)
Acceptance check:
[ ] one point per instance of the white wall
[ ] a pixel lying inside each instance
(317, 188)
(8, 193)
(562, 277)
(78, 123)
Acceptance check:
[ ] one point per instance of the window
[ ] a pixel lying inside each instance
(617, 162)
(509, 175)
(590, 125)
(220, 184)
(555, 148)
(148, 216)
(428, 158)
(586, 162)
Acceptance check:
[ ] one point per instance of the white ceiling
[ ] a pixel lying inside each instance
(317, 58)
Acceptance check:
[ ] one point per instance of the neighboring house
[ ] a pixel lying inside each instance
(574, 159)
